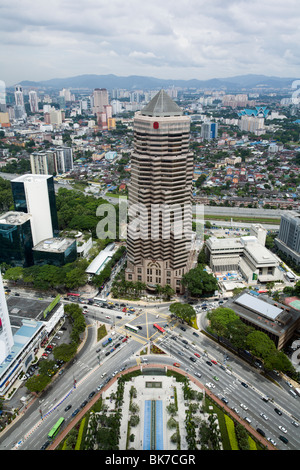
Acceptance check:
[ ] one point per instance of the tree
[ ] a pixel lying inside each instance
(199, 282)
(167, 292)
(220, 318)
(37, 383)
(260, 344)
(184, 311)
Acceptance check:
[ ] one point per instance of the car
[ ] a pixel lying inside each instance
(99, 387)
(192, 359)
(106, 316)
(176, 364)
(108, 353)
(198, 374)
(216, 378)
(75, 412)
(224, 400)
(244, 406)
(182, 328)
(45, 355)
(195, 334)
(139, 327)
(119, 316)
(68, 407)
(214, 362)
(83, 404)
(180, 353)
(272, 441)
(123, 340)
(185, 341)
(235, 410)
(283, 439)
(196, 354)
(210, 385)
(209, 363)
(261, 432)
(282, 429)
(244, 384)
(295, 424)
(278, 411)
(45, 445)
(91, 394)
(98, 350)
(264, 416)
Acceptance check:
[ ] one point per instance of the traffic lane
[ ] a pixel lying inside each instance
(227, 386)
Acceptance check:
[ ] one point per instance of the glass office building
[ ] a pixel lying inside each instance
(16, 239)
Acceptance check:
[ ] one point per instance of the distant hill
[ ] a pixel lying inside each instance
(91, 81)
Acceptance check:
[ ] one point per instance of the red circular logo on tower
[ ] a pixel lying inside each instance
(155, 125)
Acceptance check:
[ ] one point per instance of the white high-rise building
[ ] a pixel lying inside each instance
(6, 336)
(33, 101)
(35, 195)
(19, 99)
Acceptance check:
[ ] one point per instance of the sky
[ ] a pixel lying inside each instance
(178, 39)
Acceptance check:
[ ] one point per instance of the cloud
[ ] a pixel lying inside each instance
(182, 39)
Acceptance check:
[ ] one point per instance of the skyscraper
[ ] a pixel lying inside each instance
(20, 112)
(100, 99)
(288, 239)
(35, 195)
(161, 186)
(33, 101)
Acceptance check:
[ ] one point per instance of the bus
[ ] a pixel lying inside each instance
(159, 328)
(55, 430)
(290, 276)
(131, 328)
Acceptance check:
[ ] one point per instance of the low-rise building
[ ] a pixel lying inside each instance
(276, 320)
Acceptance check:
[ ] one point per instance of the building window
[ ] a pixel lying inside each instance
(129, 276)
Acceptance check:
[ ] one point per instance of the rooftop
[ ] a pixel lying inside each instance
(161, 105)
(14, 218)
(54, 245)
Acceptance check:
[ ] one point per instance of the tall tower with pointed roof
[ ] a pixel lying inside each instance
(160, 194)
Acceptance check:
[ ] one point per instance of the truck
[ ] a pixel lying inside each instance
(106, 342)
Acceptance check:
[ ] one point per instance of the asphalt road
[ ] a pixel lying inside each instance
(32, 430)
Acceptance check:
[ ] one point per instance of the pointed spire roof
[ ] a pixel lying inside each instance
(161, 105)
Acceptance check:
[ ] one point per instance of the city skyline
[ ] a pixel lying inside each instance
(180, 40)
